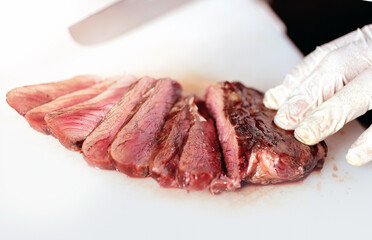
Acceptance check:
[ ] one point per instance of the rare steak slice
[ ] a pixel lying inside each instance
(23, 99)
(95, 147)
(256, 150)
(166, 153)
(73, 124)
(132, 147)
(35, 116)
(200, 161)
(187, 153)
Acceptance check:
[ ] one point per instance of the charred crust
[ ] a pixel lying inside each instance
(255, 130)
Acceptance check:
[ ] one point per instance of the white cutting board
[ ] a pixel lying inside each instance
(47, 192)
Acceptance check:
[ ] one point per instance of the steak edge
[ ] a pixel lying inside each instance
(73, 124)
(23, 99)
(35, 117)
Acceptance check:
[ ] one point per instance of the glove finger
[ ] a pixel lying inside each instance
(360, 151)
(336, 70)
(350, 102)
(276, 97)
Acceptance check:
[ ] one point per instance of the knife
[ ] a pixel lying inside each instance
(118, 18)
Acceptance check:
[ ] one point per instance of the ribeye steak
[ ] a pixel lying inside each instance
(256, 150)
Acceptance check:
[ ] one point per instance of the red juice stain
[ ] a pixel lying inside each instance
(335, 168)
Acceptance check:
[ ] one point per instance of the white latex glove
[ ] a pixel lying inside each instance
(330, 87)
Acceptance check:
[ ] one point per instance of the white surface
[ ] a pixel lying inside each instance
(47, 192)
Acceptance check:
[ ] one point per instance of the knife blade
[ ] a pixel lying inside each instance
(118, 18)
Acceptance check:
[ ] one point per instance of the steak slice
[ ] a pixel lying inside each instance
(35, 116)
(96, 145)
(23, 99)
(200, 161)
(256, 150)
(187, 153)
(73, 124)
(132, 147)
(166, 153)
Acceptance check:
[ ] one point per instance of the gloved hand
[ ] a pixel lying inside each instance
(330, 87)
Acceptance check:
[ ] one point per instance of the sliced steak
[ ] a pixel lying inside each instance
(200, 161)
(132, 147)
(23, 99)
(73, 124)
(35, 116)
(187, 153)
(95, 147)
(255, 150)
(166, 154)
